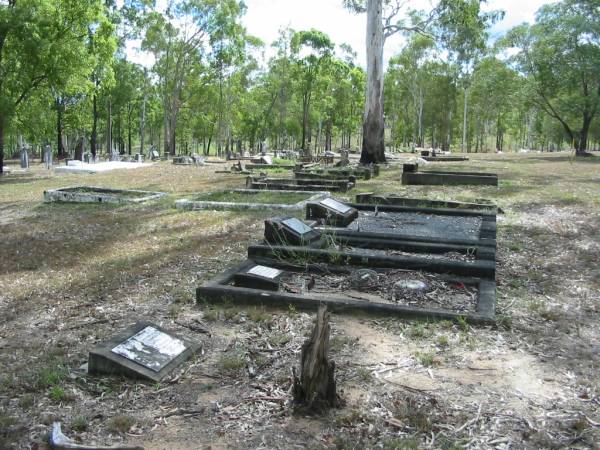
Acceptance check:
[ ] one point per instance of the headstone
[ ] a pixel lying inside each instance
(289, 231)
(139, 158)
(143, 350)
(24, 158)
(80, 149)
(48, 156)
(331, 212)
(410, 167)
(259, 277)
(154, 155)
(87, 157)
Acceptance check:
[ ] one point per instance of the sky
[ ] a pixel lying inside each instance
(264, 19)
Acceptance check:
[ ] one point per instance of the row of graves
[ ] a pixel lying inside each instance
(389, 255)
(412, 175)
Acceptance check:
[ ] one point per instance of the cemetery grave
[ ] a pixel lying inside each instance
(362, 289)
(302, 184)
(90, 194)
(143, 350)
(412, 176)
(75, 166)
(397, 200)
(258, 199)
(193, 160)
(150, 265)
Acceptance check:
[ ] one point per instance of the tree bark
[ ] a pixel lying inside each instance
(373, 144)
(1, 144)
(315, 390)
(59, 136)
(94, 137)
(109, 130)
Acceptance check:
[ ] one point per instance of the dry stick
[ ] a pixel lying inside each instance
(59, 441)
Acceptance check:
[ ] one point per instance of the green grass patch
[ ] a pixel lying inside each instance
(284, 198)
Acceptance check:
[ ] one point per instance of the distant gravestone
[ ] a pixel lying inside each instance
(87, 157)
(48, 156)
(24, 158)
(143, 351)
(139, 158)
(80, 149)
(154, 155)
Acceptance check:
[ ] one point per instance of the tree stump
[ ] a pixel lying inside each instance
(315, 390)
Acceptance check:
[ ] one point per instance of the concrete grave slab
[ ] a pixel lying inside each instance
(143, 350)
(81, 167)
(90, 194)
(249, 204)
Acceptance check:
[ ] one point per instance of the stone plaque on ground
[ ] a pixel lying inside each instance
(142, 351)
(332, 212)
(259, 277)
(335, 205)
(289, 231)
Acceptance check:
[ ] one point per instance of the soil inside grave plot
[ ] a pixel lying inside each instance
(261, 197)
(385, 286)
(116, 193)
(454, 256)
(418, 224)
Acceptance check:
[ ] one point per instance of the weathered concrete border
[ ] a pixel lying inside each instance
(483, 268)
(192, 205)
(449, 178)
(218, 290)
(100, 195)
(375, 199)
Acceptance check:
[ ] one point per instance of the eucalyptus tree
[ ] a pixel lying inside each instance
(180, 39)
(310, 50)
(43, 44)
(560, 55)
(456, 22)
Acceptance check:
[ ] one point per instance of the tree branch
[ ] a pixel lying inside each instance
(34, 84)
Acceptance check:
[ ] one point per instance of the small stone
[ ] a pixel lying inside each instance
(410, 285)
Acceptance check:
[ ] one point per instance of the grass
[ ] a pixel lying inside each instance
(120, 424)
(139, 260)
(232, 362)
(284, 198)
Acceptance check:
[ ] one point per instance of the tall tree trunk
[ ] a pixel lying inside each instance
(142, 124)
(1, 144)
(59, 127)
(304, 120)
(94, 139)
(109, 130)
(464, 137)
(373, 143)
(583, 135)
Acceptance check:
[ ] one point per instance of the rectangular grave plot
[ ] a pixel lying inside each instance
(419, 224)
(144, 351)
(90, 194)
(480, 267)
(387, 292)
(394, 200)
(252, 199)
(290, 185)
(448, 178)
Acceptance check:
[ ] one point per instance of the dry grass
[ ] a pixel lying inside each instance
(70, 275)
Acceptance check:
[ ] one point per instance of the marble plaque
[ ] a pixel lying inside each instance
(150, 348)
(335, 205)
(265, 272)
(297, 225)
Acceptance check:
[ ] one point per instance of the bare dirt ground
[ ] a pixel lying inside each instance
(72, 275)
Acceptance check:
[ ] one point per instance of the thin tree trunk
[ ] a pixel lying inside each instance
(109, 130)
(1, 144)
(373, 144)
(59, 136)
(94, 139)
(464, 137)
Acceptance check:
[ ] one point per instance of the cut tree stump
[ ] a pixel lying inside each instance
(315, 390)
